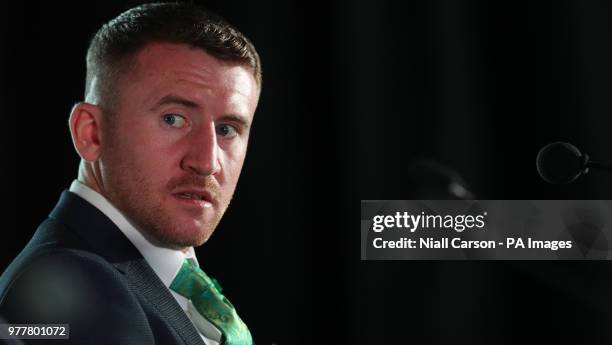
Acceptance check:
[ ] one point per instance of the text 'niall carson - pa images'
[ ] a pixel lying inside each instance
(486, 229)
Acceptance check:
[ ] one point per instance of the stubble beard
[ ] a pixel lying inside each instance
(149, 216)
(141, 201)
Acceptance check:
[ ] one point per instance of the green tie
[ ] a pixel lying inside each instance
(205, 294)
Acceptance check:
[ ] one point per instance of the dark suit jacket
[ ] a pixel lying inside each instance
(81, 270)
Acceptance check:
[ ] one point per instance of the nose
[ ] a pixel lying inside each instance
(202, 156)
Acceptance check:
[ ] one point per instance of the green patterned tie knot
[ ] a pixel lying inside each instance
(205, 294)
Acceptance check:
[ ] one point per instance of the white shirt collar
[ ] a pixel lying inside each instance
(165, 262)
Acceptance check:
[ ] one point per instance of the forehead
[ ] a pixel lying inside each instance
(159, 67)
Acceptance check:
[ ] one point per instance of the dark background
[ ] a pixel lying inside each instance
(353, 93)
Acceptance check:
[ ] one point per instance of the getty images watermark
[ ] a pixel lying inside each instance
(486, 230)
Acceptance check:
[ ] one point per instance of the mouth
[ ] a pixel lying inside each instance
(199, 198)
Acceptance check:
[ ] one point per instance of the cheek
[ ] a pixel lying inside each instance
(232, 165)
(153, 139)
(141, 154)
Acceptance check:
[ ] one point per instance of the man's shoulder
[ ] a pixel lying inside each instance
(76, 235)
(73, 286)
(52, 240)
(47, 262)
(52, 276)
(80, 269)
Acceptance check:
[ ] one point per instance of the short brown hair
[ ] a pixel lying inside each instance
(119, 40)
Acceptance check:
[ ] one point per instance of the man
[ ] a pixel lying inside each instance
(170, 95)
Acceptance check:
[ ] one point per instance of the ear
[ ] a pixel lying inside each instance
(84, 126)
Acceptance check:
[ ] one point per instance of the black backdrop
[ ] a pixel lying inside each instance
(353, 93)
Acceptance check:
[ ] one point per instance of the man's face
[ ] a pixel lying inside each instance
(172, 152)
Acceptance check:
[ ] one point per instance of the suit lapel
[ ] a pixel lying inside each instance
(104, 238)
(145, 282)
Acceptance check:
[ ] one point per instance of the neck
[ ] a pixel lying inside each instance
(89, 175)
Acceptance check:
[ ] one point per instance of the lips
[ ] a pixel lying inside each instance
(200, 198)
(190, 196)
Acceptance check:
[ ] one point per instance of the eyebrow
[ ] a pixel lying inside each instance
(174, 99)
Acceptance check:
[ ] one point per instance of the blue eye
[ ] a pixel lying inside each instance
(227, 131)
(174, 120)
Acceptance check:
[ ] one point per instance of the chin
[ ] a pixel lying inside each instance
(194, 238)
(171, 229)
